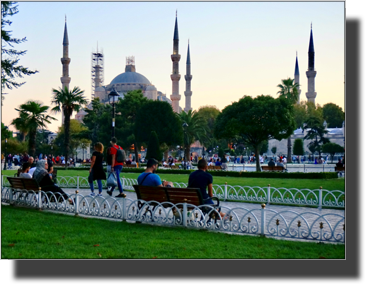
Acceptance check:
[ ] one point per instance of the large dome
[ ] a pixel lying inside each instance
(130, 77)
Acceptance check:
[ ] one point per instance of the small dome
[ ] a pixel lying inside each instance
(100, 89)
(130, 77)
(151, 88)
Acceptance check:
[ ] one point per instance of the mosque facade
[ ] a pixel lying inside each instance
(131, 80)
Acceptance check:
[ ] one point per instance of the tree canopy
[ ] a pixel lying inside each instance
(158, 116)
(10, 69)
(333, 114)
(332, 149)
(154, 147)
(35, 117)
(256, 120)
(298, 147)
(316, 134)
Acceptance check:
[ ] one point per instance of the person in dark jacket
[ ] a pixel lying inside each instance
(96, 170)
(44, 180)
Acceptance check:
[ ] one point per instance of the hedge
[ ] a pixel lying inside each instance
(297, 175)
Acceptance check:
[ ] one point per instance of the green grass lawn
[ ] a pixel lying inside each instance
(32, 234)
(328, 184)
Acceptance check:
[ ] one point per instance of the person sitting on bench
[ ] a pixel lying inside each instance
(149, 176)
(25, 170)
(201, 179)
(271, 163)
(42, 177)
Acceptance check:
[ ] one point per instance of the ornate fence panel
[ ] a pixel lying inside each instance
(301, 197)
(328, 227)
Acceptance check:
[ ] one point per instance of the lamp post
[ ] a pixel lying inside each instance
(5, 155)
(113, 94)
(184, 126)
(5, 148)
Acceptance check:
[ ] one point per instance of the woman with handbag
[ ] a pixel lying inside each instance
(96, 169)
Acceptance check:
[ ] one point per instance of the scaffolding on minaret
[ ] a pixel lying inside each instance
(130, 60)
(97, 71)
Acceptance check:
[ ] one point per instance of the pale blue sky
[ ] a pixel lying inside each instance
(237, 49)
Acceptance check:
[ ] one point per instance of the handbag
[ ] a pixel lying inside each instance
(111, 180)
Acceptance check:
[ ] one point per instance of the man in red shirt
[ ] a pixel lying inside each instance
(116, 167)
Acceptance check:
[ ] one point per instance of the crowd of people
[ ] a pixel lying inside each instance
(41, 168)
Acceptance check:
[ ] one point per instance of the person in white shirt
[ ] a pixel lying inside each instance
(25, 171)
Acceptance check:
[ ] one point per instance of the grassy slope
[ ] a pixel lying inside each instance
(28, 233)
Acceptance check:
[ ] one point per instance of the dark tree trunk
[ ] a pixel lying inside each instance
(257, 150)
(67, 136)
(136, 152)
(32, 142)
(187, 153)
(289, 158)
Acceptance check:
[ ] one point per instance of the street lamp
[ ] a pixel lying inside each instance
(113, 94)
(5, 149)
(184, 126)
(5, 155)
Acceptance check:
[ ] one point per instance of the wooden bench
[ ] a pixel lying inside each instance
(26, 184)
(20, 183)
(214, 167)
(339, 169)
(273, 168)
(168, 196)
(130, 166)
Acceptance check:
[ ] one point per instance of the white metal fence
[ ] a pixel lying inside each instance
(259, 220)
(298, 197)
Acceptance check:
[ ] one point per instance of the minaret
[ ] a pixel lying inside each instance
(297, 78)
(311, 94)
(175, 76)
(188, 78)
(65, 79)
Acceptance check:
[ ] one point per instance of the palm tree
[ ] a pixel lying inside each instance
(33, 114)
(20, 125)
(68, 101)
(316, 133)
(194, 129)
(289, 89)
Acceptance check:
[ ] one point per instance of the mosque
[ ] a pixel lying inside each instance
(131, 80)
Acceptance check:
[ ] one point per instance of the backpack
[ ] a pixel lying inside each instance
(120, 155)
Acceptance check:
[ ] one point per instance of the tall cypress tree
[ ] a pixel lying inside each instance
(154, 147)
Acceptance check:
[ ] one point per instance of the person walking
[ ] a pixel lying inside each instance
(96, 169)
(116, 167)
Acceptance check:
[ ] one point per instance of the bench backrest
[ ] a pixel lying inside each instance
(23, 183)
(174, 195)
(272, 168)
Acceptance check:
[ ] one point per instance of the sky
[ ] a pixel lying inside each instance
(236, 48)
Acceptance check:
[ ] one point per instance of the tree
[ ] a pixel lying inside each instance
(5, 133)
(154, 147)
(316, 133)
(195, 130)
(21, 126)
(289, 90)
(68, 101)
(128, 107)
(208, 114)
(14, 146)
(10, 56)
(256, 120)
(34, 114)
(75, 134)
(298, 147)
(158, 116)
(333, 115)
(332, 149)
(264, 147)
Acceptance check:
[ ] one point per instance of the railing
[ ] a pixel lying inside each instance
(299, 197)
(259, 220)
